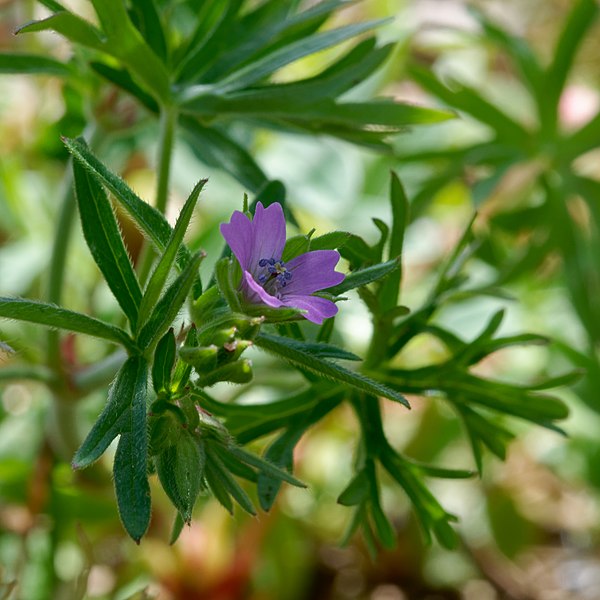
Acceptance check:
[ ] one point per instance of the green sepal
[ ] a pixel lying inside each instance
(202, 358)
(164, 430)
(164, 361)
(182, 372)
(224, 277)
(202, 308)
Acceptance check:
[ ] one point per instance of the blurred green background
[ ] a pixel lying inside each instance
(523, 153)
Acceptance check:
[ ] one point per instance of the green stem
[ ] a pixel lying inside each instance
(61, 424)
(62, 239)
(168, 121)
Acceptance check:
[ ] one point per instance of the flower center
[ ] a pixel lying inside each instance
(274, 274)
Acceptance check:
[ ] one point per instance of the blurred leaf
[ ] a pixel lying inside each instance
(581, 18)
(512, 532)
(125, 43)
(216, 149)
(390, 287)
(61, 318)
(106, 245)
(266, 65)
(74, 28)
(356, 491)
(147, 19)
(520, 52)
(383, 113)
(32, 64)
(468, 100)
(122, 79)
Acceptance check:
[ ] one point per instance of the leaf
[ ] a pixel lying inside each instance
(121, 78)
(281, 454)
(383, 113)
(32, 64)
(104, 240)
(130, 474)
(365, 276)
(264, 66)
(350, 70)
(125, 43)
(164, 361)
(152, 222)
(282, 348)
(321, 350)
(390, 288)
(228, 483)
(61, 318)
(356, 492)
(170, 304)
(468, 100)
(177, 528)
(216, 148)
(180, 469)
(167, 260)
(524, 59)
(127, 391)
(330, 241)
(74, 28)
(217, 486)
(265, 466)
(214, 22)
(581, 18)
(149, 25)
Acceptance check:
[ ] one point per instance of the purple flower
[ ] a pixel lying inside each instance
(266, 279)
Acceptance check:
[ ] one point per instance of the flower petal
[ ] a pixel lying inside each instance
(239, 234)
(256, 294)
(312, 272)
(269, 234)
(317, 308)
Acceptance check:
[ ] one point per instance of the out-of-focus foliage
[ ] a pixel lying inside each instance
(424, 303)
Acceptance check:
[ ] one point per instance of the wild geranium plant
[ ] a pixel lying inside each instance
(259, 245)
(179, 335)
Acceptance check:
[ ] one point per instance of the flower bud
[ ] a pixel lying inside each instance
(239, 371)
